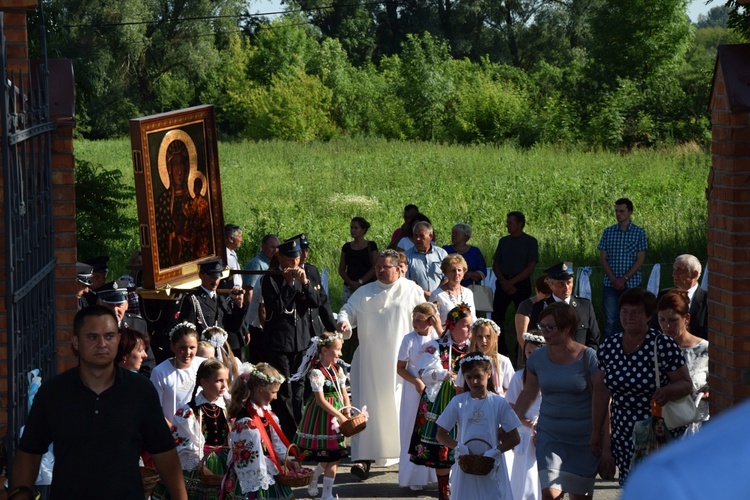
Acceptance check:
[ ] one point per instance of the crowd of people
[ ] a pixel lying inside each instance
(249, 370)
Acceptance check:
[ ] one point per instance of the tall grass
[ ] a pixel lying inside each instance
(567, 195)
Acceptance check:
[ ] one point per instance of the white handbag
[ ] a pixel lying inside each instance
(676, 413)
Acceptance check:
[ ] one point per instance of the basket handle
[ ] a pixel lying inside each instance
(289, 452)
(213, 449)
(351, 407)
(480, 440)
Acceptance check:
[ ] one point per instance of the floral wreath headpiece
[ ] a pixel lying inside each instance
(328, 340)
(535, 339)
(248, 370)
(180, 326)
(312, 350)
(476, 357)
(483, 322)
(460, 311)
(218, 337)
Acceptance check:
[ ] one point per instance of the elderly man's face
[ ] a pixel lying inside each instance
(288, 262)
(422, 239)
(386, 272)
(234, 242)
(562, 289)
(270, 247)
(682, 277)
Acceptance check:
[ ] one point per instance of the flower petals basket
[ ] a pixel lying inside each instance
(478, 465)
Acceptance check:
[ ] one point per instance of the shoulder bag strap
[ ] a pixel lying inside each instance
(656, 360)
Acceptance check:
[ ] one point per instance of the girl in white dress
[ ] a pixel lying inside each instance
(427, 328)
(482, 416)
(484, 337)
(174, 378)
(524, 476)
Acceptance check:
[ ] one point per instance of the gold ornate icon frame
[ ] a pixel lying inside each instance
(178, 194)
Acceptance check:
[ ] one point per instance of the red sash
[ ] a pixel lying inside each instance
(264, 437)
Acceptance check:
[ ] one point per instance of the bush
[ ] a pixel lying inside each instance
(101, 202)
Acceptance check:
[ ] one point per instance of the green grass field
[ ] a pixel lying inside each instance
(567, 195)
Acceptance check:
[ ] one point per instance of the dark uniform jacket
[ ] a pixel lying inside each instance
(288, 326)
(587, 332)
(321, 317)
(217, 311)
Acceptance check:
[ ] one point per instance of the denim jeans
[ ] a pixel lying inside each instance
(610, 296)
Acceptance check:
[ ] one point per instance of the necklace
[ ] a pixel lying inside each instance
(477, 415)
(629, 348)
(210, 410)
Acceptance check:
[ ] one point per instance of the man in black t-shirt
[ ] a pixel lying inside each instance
(100, 418)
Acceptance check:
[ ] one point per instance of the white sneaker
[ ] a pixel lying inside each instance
(415, 487)
(312, 489)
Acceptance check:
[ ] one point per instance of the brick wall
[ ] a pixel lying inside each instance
(729, 231)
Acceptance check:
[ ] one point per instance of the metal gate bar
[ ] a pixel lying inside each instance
(29, 237)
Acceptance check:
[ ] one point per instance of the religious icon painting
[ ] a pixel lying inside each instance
(178, 193)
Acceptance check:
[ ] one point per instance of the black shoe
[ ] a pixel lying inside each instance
(361, 470)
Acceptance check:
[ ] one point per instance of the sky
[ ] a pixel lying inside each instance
(695, 8)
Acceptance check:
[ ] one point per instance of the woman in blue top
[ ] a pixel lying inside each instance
(477, 267)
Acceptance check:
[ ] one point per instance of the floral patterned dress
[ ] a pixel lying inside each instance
(252, 470)
(315, 437)
(440, 357)
(198, 431)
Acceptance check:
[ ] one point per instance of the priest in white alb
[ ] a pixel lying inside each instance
(382, 313)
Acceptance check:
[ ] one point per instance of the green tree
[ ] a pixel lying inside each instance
(637, 40)
(425, 86)
(101, 200)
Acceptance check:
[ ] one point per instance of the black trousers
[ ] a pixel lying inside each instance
(290, 399)
(500, 305)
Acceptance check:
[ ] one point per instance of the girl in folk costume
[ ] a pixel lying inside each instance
(437, 369)
(318, 436)
(202, 426)
(524, 476)
(481, 415)
(256, 444)
(217, 337)
(484, 335)
(174, 378)
(427, 328)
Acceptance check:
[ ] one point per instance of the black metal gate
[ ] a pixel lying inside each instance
(28, 232)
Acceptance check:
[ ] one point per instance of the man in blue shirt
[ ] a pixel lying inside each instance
(622, 250)
(424, 260)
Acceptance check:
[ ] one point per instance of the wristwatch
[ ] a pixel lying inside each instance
(360, 281)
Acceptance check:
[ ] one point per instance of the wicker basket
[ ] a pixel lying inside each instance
(150, 478)
(291, 479)
(478, 465)
(354, 425)
(207, 477)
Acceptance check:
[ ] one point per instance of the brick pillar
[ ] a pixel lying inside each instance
(729, 231)
(64, 226)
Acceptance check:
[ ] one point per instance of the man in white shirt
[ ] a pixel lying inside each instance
(233, 237)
